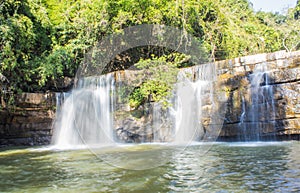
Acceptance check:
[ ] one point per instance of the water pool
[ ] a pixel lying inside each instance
(226, 167)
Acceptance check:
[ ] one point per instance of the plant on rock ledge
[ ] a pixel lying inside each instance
(156, 79)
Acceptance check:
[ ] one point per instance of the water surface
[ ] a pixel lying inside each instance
(226, 167)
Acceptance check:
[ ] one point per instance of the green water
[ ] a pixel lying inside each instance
(226, 167)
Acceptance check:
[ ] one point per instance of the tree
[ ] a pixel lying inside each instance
(23, 38)
(43, 41)
(297, 10)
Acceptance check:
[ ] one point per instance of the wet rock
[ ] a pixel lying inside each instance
(283, 77)
(29, 122)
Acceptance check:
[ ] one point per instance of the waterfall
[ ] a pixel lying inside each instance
(60, 98)
(188, 127)
(258, 120)
(85, 117)
(97, 112)
(243, 135)
(194, 92)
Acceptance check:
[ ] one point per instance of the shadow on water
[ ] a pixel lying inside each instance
(28, 169)
(72, 171)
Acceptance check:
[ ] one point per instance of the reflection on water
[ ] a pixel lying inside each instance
(227, 167)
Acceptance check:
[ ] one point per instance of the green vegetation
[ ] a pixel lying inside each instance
(43, 41)
(157, 77)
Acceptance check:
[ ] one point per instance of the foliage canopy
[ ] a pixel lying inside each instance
(43, 41)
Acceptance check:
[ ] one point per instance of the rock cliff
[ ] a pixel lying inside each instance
(263, 96)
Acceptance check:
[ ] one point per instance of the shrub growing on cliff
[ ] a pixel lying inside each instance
(157, 78)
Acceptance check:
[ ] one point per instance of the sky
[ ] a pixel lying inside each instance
(273, 5)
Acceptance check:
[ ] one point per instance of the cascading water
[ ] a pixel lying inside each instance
(258, 119)
(192, 97)
(85, 117)
(243, 135)
(188, 127)
(92, 115)
(60, 98)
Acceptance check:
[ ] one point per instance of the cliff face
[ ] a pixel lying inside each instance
(263, 102)
(29, 122)
(272, 105)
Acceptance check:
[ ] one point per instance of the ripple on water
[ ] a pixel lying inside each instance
(226, 167)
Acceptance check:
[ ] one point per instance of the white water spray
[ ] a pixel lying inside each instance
(193, 93)
(86, 115)
(258, 120)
